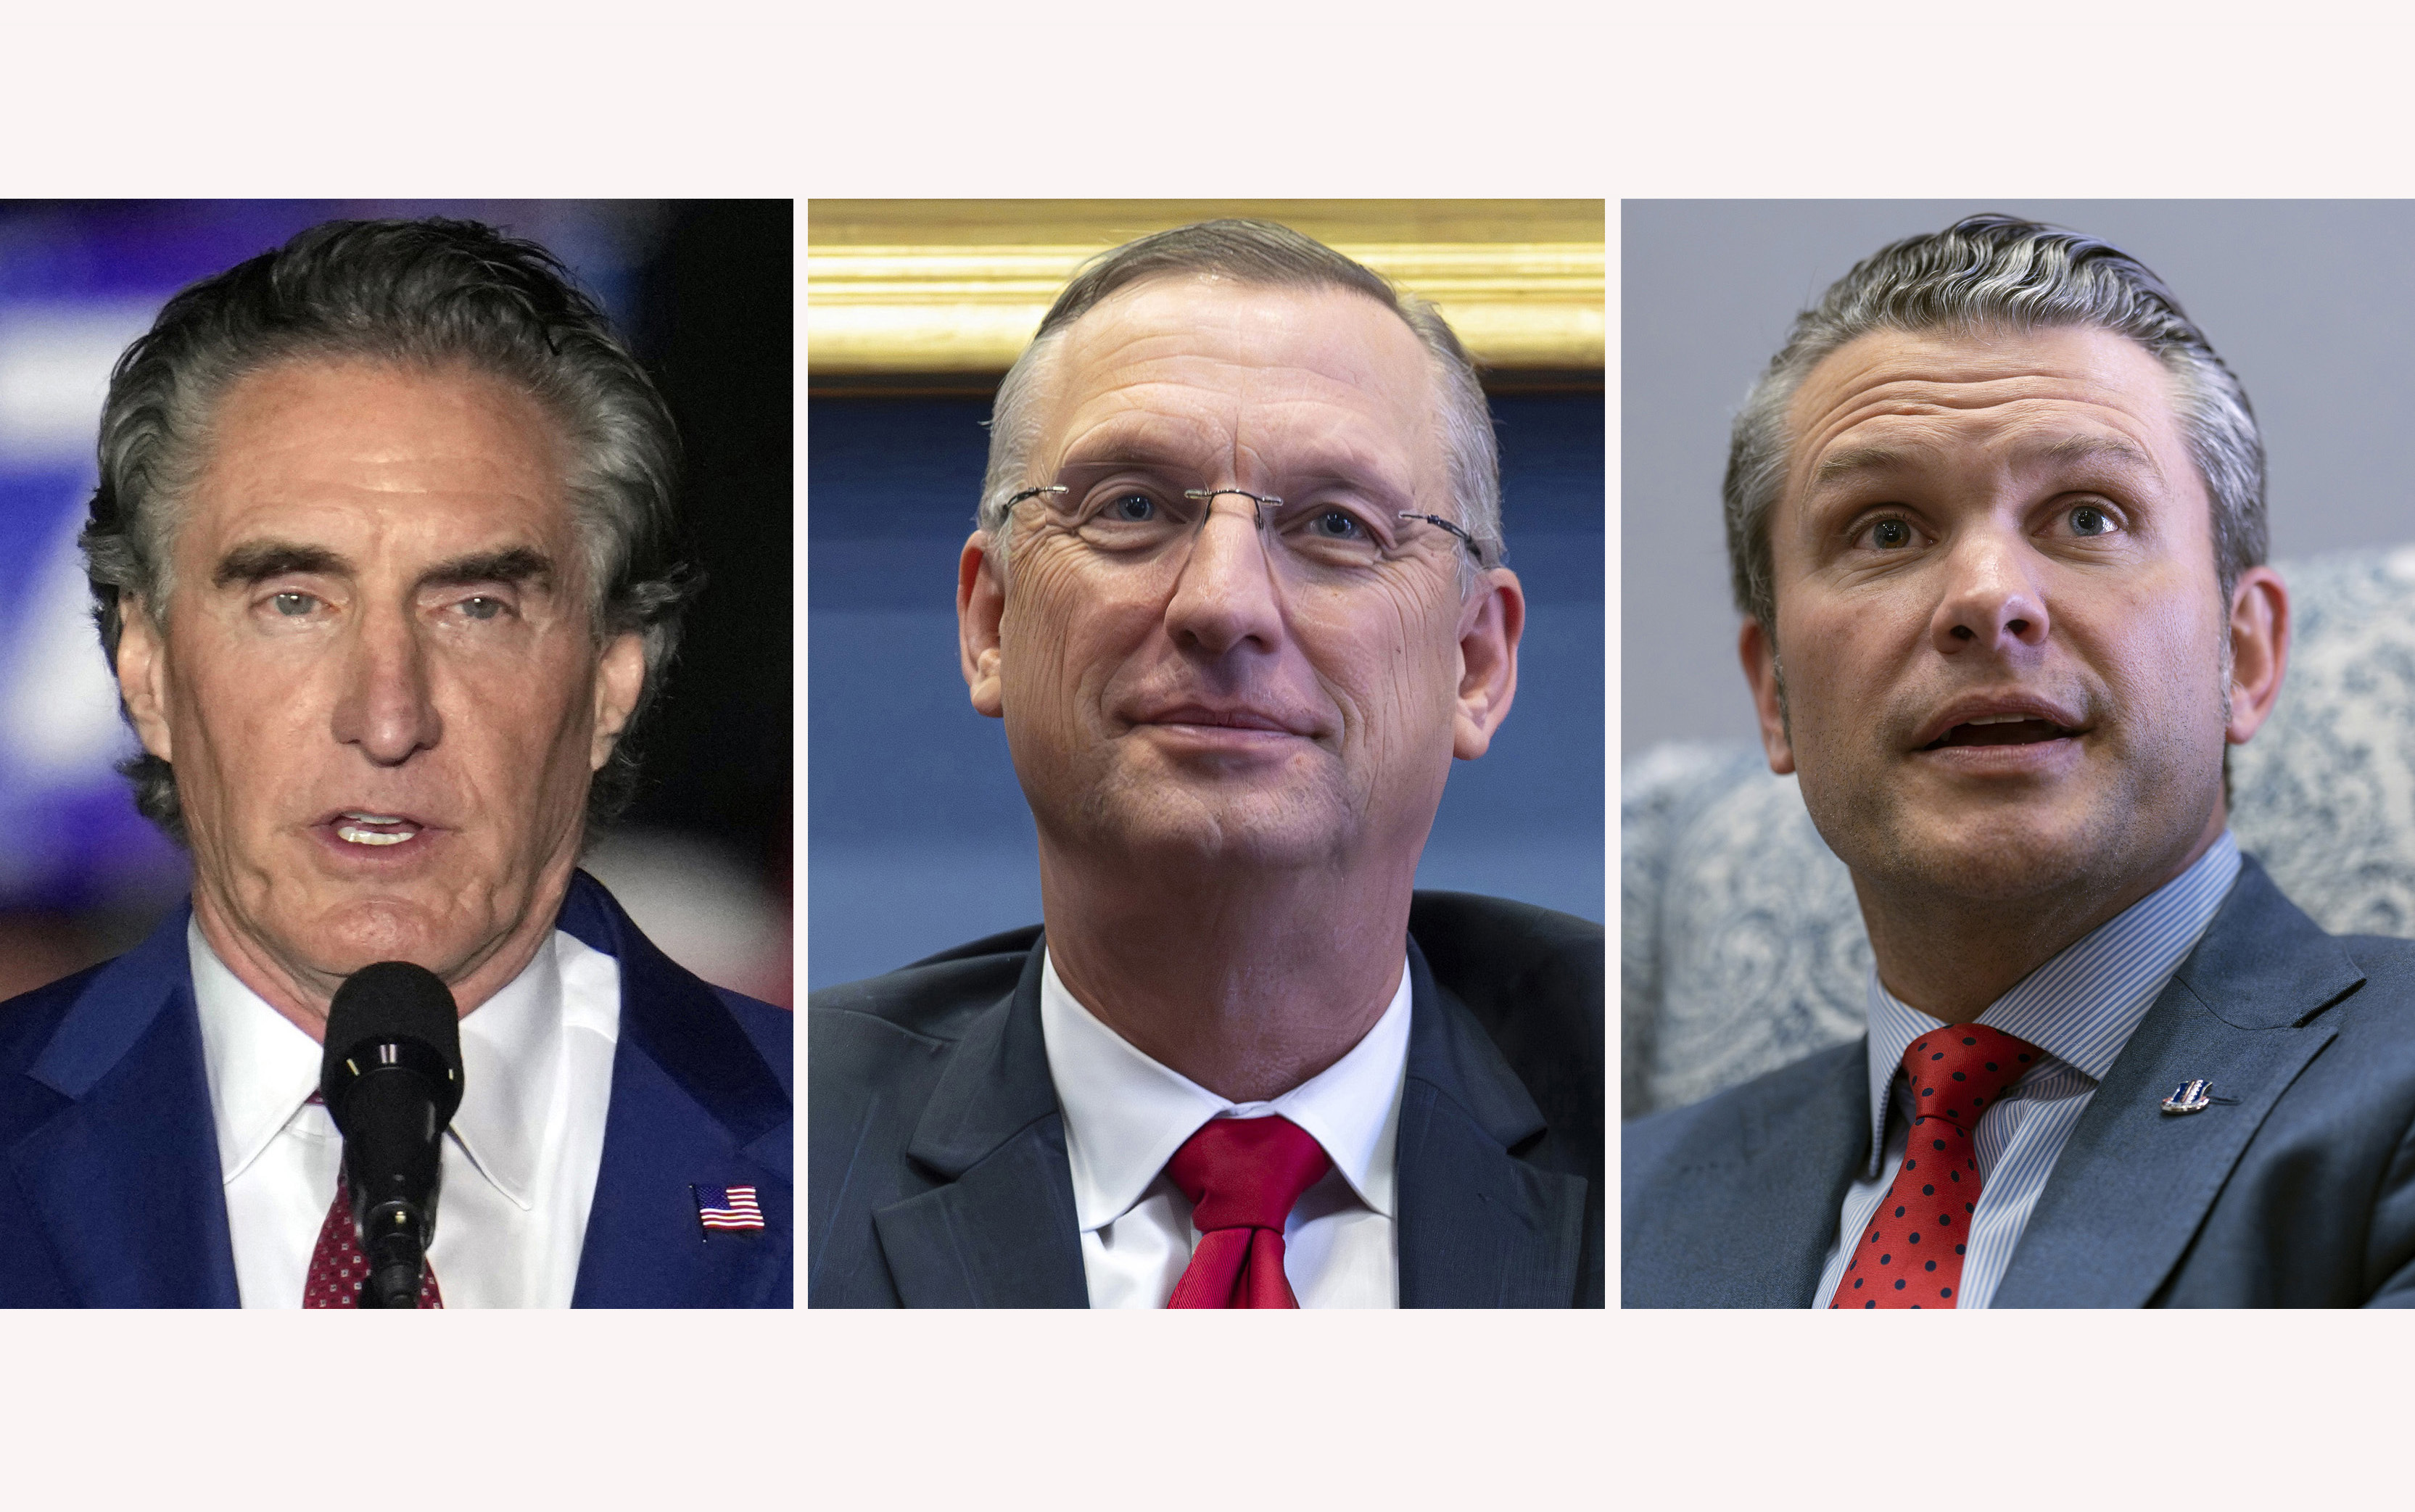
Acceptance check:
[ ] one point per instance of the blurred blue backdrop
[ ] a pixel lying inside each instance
(920, 838)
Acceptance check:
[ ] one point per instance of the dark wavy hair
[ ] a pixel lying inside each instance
(424, 293)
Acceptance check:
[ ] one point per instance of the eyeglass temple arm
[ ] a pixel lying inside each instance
(1464, 539)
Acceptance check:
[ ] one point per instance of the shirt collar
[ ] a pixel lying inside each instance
(262, 1069)
(1126, 1114)
(2080, 1007)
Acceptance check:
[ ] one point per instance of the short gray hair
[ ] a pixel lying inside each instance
(423, 294)
(1257, 254)
(1997, 270)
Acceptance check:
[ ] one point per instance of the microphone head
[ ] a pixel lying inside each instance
(393, 1013)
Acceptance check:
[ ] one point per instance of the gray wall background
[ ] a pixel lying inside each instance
(2311, 303)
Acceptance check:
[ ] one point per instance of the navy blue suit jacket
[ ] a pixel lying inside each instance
(110, 1194)
(2295, 1189)
(938, 1151)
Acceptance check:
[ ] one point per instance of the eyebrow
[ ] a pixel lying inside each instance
(257, 561)
(513, 564)
(1321, 468)
(1857, 459)
(2118, 450)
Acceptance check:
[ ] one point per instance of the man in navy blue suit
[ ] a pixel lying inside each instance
(384, 558)
(1236, 593)
(1995, 521)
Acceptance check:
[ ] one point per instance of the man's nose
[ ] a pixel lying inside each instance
(386, 706)
(1992, 601)
(1226, 595)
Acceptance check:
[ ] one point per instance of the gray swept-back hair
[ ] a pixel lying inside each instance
(423, 294)
(1257, 254)
(1988, 271)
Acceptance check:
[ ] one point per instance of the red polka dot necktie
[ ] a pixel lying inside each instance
(1911, 1255)
(1242, 1176)
(337, 1267)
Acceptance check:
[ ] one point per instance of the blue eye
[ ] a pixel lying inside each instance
(1134, 508)
(2089, 520)
(1336, 525)
(482, 608)
(293, 606)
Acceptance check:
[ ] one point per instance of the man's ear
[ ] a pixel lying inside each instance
(143, 674)
(980, 606)
(1489, 623)
(2259, 650)
(620, 677)
(1759, 657)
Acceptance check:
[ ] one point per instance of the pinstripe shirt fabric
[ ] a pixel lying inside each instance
(2079, 1008)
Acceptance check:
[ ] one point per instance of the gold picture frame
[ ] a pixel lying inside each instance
(941, 292)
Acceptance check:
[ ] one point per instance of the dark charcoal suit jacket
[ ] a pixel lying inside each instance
(936, 1151)
(110, 1194)
(2295, 1189)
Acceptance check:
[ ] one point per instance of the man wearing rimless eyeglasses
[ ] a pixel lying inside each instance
(1237, 597)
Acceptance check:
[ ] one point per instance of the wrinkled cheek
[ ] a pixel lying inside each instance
(1397, 732)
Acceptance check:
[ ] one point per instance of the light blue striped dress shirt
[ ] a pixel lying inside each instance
(2080, 1007)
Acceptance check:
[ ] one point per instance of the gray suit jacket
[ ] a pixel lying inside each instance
(2295, 1189)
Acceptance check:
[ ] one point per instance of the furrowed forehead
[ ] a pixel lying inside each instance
(1178, 368)
(2062, 397)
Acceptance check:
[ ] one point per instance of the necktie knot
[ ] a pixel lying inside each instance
(1957, 1071)
(1245, 1173)
(1242, 1176)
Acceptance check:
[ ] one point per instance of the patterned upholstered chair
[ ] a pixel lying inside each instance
(1741, 946)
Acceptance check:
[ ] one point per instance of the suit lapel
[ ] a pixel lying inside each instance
(1478, 1226)
(1763, 1190)
(124, 1175)
(1001, 1231)
(2135, 1183)
(693, 1104)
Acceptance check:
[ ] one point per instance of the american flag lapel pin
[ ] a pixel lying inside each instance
(727, 1209)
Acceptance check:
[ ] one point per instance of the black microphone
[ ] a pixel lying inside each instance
(391, 1078)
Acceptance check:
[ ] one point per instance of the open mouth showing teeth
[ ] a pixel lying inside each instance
(2001, 729)
(374, 828)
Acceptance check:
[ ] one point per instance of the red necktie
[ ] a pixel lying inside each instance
(337, 1267)
(1242, 1176)
(1912, 1254)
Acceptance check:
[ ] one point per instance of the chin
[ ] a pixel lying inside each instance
(1290, 828)
(1993, 852)
(348, 936)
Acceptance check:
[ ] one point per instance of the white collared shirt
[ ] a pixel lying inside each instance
(519, 1162)
(1125, 1116)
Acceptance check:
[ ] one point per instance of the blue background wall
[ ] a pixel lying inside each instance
(917, 836)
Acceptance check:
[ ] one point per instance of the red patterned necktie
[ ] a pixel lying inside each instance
(1242, 1176)
(1912, 1254)
(337, 1267)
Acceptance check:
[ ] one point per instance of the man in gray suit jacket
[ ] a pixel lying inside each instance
(1995, 519)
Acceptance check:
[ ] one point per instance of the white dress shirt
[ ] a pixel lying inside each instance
(2080, 1009)
(1125, 1116)
(519, 1162)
